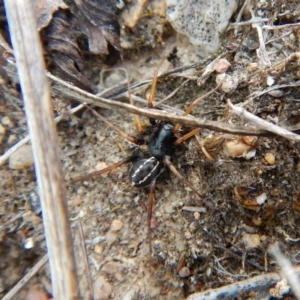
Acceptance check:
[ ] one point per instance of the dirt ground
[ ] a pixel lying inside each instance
(249, 202)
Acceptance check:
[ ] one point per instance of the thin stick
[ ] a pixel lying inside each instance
(239, 16)
(231, 253)
(85, 97)
(26, 278)
(262, 123)
(39, 112)
(26, 139)
(261, 51)
(85, 258)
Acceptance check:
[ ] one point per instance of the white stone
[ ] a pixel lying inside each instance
(22, 158)
(184, 272)
(116, 225)
(201, 21)
(251, 240)
(102, 289)
(6, 121)
(261, 199)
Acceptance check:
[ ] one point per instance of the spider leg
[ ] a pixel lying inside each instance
(187, 136)
(150, 209)
(136, 119)
(179, 176)
(116, 129)
(154, 81)
(108, 169)
(194, 103)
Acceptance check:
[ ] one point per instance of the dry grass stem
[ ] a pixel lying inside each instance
(39, 112)
(86, 261)
(26, 278)
(261, 51)
(26, 139)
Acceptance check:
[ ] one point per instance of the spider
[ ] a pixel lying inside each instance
(145, 171)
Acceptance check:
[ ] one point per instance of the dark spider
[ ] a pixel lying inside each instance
(145, 171)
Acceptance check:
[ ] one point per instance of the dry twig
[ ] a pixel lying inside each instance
(261, 51)
(39, 112)
(26, 139)
(64, 89)
(263, 124)
(26, 278)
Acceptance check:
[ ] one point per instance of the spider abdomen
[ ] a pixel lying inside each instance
(145, 171)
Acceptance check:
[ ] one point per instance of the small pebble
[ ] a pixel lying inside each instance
(99, 135)
(116, 225)
(111, 268)
(261, 198)
(251, 240)
(270, 80)
(102, 289)
(276, 93)
(12, 139)
(196, 215)
(188, 235)
(270, 158)
(184, 272)
(6, 121)
(252, 67)
(35, 293)
(100, 166)
(230, 83)
(98, 249)
(111, 237)
(75, 202)
(221, 65)
(98, 239)
(21, 159)
(29, 243)
(2, 133)
(89, 131)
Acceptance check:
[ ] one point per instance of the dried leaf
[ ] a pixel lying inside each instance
(98, 20)
(296, 202)
(61, 42)
(245, 199)
(45, 9)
